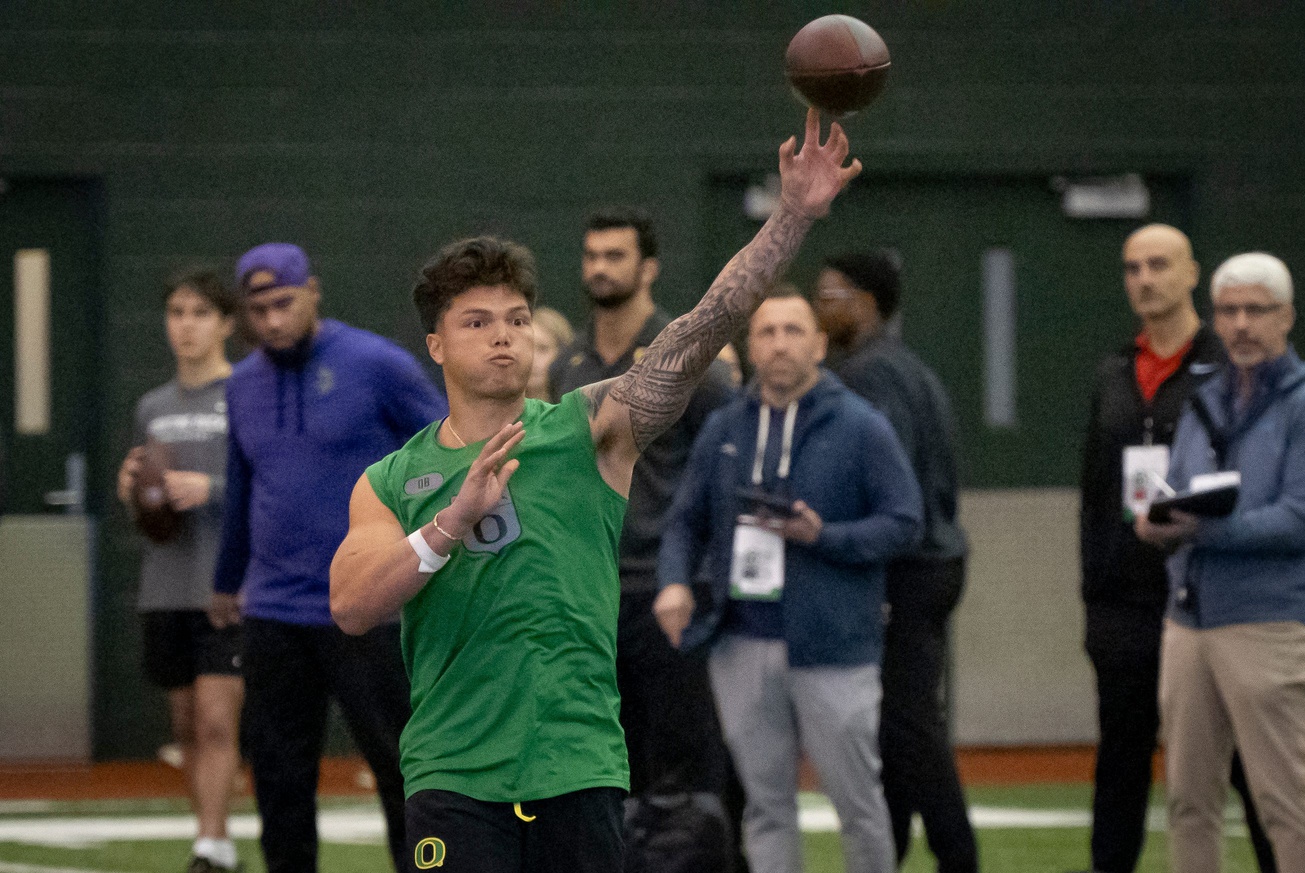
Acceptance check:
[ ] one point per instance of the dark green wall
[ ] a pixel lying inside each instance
(372, 135)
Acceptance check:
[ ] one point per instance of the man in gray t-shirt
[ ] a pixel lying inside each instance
(191, 422)
(172, 481)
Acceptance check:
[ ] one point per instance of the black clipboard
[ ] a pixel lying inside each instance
(1209, 503)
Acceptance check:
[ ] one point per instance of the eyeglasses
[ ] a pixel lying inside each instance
(1252, 310)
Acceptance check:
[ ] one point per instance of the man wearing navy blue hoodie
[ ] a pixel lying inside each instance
(1233, 651)
(308, 411)
(796, 496)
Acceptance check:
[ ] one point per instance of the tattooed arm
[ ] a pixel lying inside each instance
(629, 412)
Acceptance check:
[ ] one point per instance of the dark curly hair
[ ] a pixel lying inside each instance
(469, 263)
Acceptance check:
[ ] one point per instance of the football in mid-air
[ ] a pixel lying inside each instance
(154, 515)
(838, 64)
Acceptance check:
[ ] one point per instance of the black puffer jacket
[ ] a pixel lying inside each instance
(1117, 567)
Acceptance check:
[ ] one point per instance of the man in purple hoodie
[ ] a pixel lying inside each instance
(308, 411)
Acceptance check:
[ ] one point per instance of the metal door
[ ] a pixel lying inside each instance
(49, 366)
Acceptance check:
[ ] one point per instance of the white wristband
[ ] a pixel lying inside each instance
(430, 560)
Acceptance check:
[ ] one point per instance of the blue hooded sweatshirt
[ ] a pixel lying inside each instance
(303, 426)
(848, 466)
(1250, 566)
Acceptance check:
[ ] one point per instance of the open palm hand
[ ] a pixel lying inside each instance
(810, 179)
(486, 479)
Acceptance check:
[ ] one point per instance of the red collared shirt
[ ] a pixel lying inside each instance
(1151, 369)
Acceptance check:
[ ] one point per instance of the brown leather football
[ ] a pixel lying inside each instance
(838, 64)
(155, 517)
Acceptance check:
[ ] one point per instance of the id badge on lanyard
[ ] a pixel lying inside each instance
(757, 571)
(1145, 468)
(757, 568)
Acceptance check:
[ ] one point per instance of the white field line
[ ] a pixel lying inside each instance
(365, 826)
(16, 807)
(6, 867)
(359, 825)
(818, 816)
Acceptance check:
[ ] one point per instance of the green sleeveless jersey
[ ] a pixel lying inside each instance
(511, 646)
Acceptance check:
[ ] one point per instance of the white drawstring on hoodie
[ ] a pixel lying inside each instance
(785, 445)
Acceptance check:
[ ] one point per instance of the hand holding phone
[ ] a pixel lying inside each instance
(757, 502)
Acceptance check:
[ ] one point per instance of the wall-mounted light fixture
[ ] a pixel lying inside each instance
(1122, 196)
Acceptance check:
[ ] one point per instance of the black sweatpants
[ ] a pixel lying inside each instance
(668, 713)
(667, 709)
(1123, 643)
(290, 673)
(919, 766)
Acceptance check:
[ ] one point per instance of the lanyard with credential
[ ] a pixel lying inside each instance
(785, 445)
(757, 567)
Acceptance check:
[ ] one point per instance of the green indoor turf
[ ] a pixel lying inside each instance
(1044, 850)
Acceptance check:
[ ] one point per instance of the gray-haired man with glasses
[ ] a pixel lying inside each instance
(1233, 651)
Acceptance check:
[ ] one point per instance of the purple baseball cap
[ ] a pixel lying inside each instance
(285, 261)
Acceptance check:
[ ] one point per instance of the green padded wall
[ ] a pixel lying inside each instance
(371, 133)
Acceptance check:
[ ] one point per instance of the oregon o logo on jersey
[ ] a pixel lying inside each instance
(498, 528)
(429, 854)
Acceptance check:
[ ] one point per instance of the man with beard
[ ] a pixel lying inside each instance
(1232, 670)
(1140, 394)
(309, 410)
(796, 496)
(666, 706)
(856, 300)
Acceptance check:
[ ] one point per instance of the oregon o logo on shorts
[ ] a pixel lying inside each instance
(429, 854)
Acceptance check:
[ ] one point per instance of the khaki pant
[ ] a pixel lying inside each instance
(1241, 684)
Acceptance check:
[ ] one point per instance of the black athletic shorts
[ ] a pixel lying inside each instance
(579, 832)
(182, 644)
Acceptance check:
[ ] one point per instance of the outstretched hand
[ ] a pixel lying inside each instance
(810, 179)
(486, 479)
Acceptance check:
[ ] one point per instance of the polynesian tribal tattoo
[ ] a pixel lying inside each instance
(657, 389)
